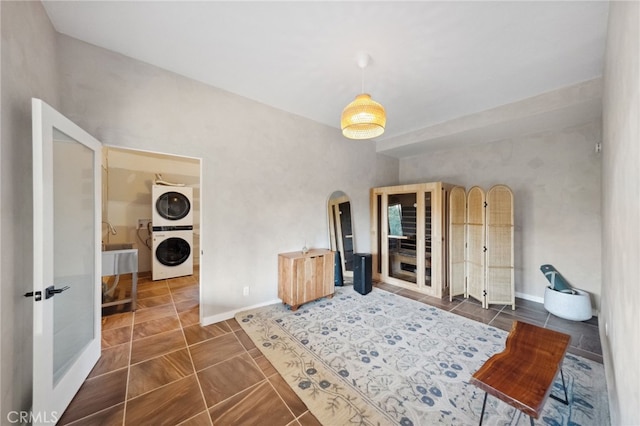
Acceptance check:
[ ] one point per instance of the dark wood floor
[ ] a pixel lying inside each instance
(159, 366)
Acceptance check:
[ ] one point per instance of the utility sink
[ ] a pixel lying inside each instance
(117, 246)
(117, 259)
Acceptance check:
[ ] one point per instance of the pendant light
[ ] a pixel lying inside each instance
(363, 118)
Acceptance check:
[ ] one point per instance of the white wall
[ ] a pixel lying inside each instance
(266, 174)
(620, 318)
(28, 70)
(555, 178)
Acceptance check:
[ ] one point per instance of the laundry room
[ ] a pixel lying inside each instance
(129, 213)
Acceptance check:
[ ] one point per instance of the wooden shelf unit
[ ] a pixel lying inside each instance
(303, 277)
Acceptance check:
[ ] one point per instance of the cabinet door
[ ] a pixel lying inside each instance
(316, 278)
(457, 210)
(499, 258)
(475, 253)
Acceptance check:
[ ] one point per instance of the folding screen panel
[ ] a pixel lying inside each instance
(457, 210)
(475, 253)
(499, 242)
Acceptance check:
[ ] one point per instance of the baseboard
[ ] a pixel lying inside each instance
(212, 319)
(529, 297)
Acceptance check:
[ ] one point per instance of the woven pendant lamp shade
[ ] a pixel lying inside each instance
(363, 118)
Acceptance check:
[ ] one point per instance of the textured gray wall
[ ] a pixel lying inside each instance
(280, 179)
(555, 178)
(28, 70)
(266, 174)
(620, 318)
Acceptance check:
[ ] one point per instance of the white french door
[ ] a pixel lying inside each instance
(67, 260)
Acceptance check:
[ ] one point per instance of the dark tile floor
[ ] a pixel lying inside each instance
(585, 337)
(159, 366)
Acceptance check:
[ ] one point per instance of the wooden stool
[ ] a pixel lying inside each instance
(522, 374)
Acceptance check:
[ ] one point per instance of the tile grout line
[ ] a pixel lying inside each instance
(108, 372)
(193, 417)
(195, 372)
(126, 389)
(252, 386)
(280, 396)
(496, 315)
(126, 394)
(236, 356)
(267, 377)
(159, 356)
(457, 306)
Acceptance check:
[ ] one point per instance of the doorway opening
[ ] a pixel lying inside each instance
(130, 219)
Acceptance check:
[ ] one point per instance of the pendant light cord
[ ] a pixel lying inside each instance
(362, 60)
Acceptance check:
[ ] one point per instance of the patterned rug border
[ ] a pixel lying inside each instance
(331, 399)
(350, 406)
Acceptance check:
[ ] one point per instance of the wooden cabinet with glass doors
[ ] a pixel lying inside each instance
(409, 236)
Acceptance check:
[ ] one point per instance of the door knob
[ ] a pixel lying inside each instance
(52, 291)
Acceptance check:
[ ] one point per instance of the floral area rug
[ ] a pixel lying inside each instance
(383, 359)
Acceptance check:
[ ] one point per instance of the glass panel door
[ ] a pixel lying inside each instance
(401, 237)
(73, 252)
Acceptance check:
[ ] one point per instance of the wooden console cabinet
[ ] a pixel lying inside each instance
(303, 277)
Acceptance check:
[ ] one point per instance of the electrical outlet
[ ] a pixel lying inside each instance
(245, 291)
(143, 223)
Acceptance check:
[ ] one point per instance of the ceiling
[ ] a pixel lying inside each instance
(431, 61)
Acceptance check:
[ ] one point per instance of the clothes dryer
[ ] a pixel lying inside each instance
(172, 254)
(172, 206)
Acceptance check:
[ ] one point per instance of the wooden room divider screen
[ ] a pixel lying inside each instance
(481, 245)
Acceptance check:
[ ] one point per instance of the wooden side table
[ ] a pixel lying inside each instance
(522, 375)
(303, 277)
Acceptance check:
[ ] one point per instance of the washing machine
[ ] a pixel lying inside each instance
(172, 207)
(172, 253)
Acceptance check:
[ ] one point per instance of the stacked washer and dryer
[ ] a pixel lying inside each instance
(172, 231)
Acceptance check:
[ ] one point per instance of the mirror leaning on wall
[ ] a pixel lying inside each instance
(341, 232)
